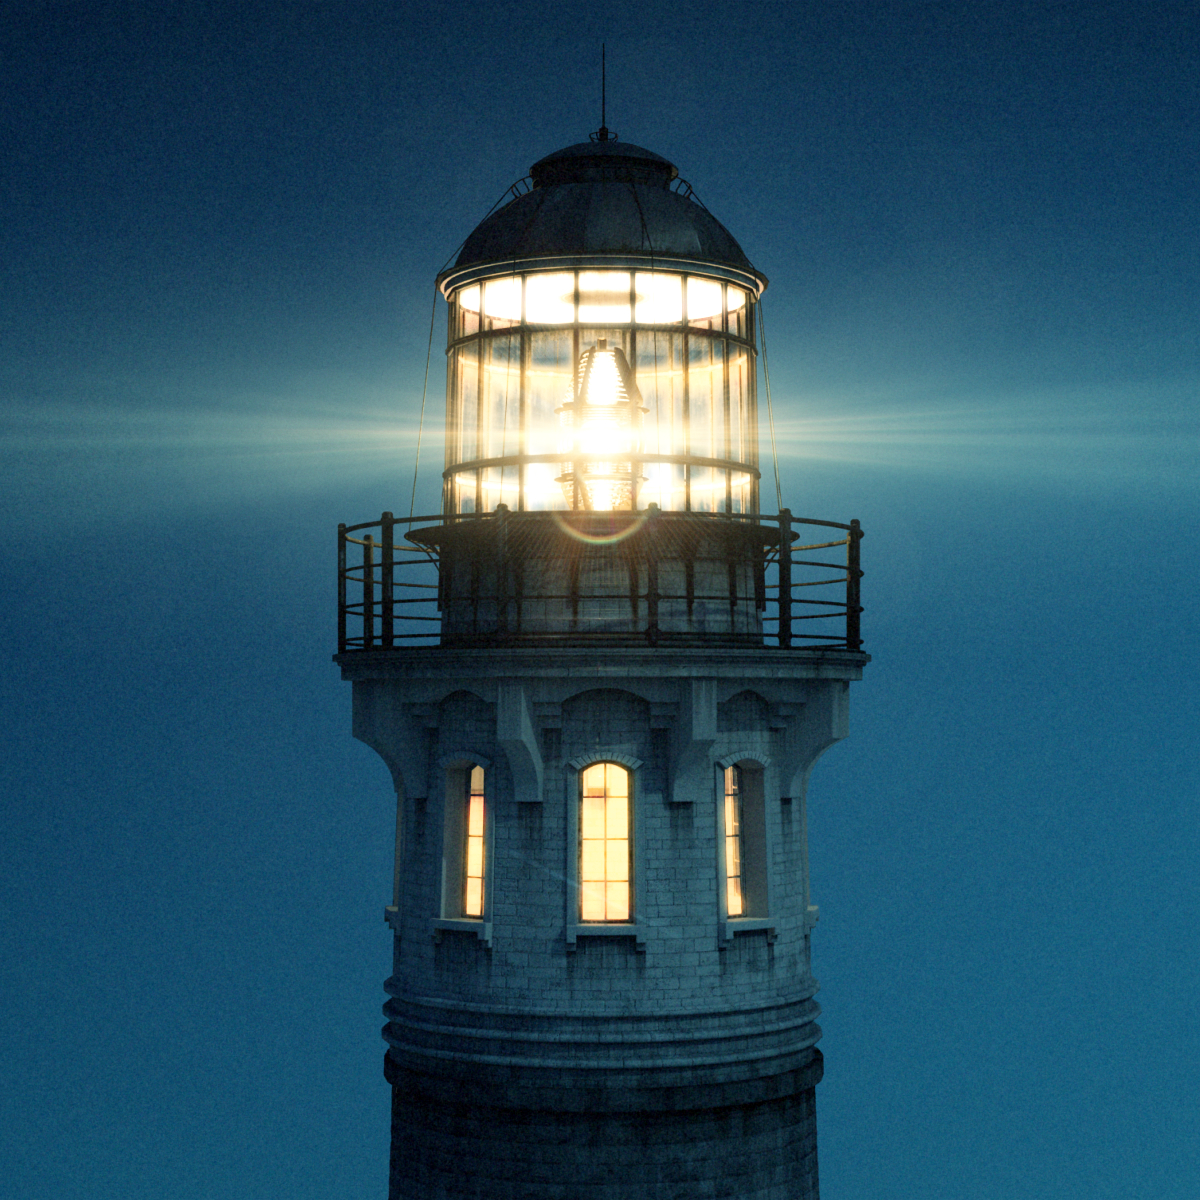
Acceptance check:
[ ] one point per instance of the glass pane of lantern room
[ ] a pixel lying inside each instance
(738, 449)
(502, 302)
(548, 385)
(700, 397)
(741, 488)
(660, 379)
(464, 438)
(550, 298)
(465, 489)
(676, 443)
(502, 383)
(603, 297)
(735, 304)
(705, 301)
(468, 311)
(498, 485)
(706, 420)
(659, 298)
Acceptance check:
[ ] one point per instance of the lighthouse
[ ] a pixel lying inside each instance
(600, 677)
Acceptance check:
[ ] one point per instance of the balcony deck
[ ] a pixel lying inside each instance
(571, 579)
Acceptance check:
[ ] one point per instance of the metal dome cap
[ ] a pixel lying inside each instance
(603, 203)
(603, 160)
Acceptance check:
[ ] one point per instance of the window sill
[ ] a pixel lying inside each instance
(601, 929)
(481, 929)
(732, 926)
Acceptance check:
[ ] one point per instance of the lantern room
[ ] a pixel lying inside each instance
(601, 347)
(601, 477)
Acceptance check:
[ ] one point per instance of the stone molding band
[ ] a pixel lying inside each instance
(615, 1092)
(605, 1053)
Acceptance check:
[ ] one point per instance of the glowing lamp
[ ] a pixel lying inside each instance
(603, 417)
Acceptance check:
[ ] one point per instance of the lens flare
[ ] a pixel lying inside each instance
(630, 524)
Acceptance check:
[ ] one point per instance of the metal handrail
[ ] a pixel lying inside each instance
(639, 457)
(377, 592)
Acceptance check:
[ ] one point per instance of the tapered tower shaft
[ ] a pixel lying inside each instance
(601, 678)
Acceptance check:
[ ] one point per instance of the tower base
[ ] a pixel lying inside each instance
(754, 1141)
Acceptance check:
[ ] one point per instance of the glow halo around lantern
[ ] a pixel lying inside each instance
(636, 521)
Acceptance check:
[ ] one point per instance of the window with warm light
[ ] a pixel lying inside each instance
(744, 852)
(604, 844)
(464, 860)
(602, 390)
(473, 866)
(735, 894)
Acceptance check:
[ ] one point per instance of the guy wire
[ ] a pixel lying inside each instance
(412, 500)
(762, 331)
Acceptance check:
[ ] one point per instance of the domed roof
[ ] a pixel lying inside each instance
(602, 200)
(602, 160)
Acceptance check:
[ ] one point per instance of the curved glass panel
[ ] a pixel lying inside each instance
(604, 297)
(602, 390)
(550, 298)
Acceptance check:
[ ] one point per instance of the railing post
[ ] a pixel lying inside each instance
(573, 582)
(501, 551)
(760, 574)
(785, 577)
(650, 541)
(387, 597)
(474, 590)
(368, 592)
(853, 575)
(341, 588)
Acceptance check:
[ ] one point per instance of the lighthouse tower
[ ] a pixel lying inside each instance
(600, 677)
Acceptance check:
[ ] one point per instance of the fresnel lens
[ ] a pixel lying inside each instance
(601, 432)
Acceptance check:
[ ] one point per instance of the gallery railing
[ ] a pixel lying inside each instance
(472, 579)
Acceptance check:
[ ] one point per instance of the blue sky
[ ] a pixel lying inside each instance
(220, 228)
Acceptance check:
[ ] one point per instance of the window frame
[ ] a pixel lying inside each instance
(456, 783)
(756, 849)
(576, 927)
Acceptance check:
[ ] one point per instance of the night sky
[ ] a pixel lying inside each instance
(219, 232)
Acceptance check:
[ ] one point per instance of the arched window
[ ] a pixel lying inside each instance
(735, 837)
(464, 857)
(473, 846)
(604, 843)
(744, 857)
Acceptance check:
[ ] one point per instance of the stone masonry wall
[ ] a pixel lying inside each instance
(462, 1151)
(534, 1059)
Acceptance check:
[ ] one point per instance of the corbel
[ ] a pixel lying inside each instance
(516, 734)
